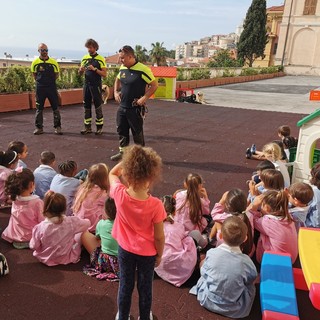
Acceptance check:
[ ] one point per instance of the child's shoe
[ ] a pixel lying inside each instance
(21, 245)
(253, 149)
(248, 153)
(4, 269)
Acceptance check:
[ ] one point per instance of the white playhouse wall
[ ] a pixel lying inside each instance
(308, 135)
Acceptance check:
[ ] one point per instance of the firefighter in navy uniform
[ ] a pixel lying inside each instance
(134, 85)
(45, 71)
(94, 67)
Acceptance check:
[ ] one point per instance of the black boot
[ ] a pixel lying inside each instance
(99, 130)
(87, 129)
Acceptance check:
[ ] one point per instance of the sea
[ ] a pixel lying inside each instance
(17, 52)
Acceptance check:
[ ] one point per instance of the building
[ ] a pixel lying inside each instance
(183, 51)
(274, 19)
(113, 61)
(299, 39)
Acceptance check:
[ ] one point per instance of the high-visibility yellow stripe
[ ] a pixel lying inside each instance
(87, 121)
(99, 121)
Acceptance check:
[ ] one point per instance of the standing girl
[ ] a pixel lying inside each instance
(138, 226)
(275, 224)
(180, 253)
(102, 247)
(192, 204)
(92, 194)
(21, 149)
(233, 203)
(57, 239)
(26, 211)
(8, 161)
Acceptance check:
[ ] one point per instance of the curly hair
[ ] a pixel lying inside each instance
(18, 182)
(141, 165)
(67, 168)
(98, 175)
(110, 208)
(54, 205)
(92, 43)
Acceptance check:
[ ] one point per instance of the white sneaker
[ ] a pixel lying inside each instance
(4, 269)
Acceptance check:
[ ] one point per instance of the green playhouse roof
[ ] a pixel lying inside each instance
(308, 118)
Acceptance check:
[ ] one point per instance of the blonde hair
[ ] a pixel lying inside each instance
(98, 175)
(272, 151)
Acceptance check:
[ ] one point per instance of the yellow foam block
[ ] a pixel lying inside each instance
(309, 253)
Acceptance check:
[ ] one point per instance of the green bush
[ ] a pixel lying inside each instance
(272, 69)
(181, 74)
(228, 73)
(249, 72)
(200, 73)
(111, 77)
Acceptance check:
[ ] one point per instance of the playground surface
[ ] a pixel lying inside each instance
(205, 139)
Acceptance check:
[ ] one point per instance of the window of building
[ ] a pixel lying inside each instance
(4, 64)
(310, 7)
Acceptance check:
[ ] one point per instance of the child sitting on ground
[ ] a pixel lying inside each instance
(271, 179)
(65, 183)
(275, 224)
(44, 174)
(313, 216)
(8, 161)
(138, 226)
(57, 239)
(300, 194)
(233, 203)
(92, 194)
(272, 153)
(226, 285)
(179, 257)
(21, 149)
(192, 204)
(102, 247)
(26, 211)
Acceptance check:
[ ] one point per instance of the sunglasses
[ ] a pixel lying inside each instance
(44, 50)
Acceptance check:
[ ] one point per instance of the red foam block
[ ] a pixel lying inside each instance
(271, 315)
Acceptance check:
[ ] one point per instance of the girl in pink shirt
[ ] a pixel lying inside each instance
(26, 211)
(233, 203)
(8, 161)
(192, 204)
(92, 194)
(138, 226)
(57, 239)
(275, 224)
(180, 253)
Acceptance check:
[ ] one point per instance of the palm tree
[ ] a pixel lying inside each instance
(158, 54)
(141, 53)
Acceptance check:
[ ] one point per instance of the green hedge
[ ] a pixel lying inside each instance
(19, 79)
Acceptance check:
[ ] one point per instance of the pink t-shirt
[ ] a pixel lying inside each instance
(276, 234)
(58, 243)
(134, 224)
(92, 207)
(26, 212)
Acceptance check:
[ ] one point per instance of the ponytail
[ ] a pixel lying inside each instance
(169, 204)
(8, 158)
(278, 203)
(54, 205)
(18, 182)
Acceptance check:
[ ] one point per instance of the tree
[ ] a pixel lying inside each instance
(222, 59)
(253, 38)
(158, 54)
(141, 53)
(171, 54)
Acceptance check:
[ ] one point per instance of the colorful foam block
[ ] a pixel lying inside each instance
(277, 290)
(309, 253)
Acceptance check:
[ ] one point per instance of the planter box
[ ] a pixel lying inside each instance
(72, 96)
(14, 101)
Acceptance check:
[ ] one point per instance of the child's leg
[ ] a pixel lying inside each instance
(144, 285)
(89, 241)
(127, 263)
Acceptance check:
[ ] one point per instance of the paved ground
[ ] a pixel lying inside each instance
(284, 94)
(190, 138)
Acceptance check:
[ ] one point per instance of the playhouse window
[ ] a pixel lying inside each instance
(161, 82)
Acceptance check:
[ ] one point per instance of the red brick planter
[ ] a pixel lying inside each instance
(14, 101)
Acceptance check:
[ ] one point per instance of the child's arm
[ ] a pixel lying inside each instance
(158, 241)
(115, 173)
(214, 230)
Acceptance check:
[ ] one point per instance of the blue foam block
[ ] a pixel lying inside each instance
(277, 290)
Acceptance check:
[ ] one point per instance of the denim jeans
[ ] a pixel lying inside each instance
(129, 263)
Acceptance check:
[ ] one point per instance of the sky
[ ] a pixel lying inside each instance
(64, 25)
